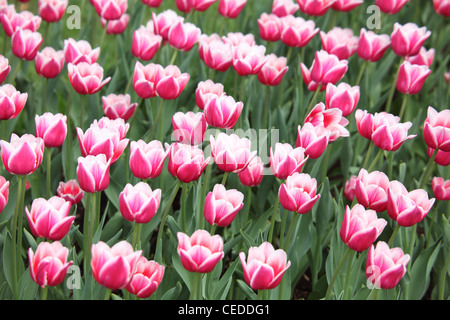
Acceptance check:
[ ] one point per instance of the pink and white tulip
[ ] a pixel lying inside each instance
(4, 193)
(273, 70)
(222, 205)
(25, 43)
(331, 119)
(207, 90)
(12, 20)
(313, 139)
(411, 77)
(248, 59)
(286, 160)
(346, 5)
(170, 82)
(147, 159)
(12, 102)
(270, 27)
(110, 9)
(139, 203)
(183, 35)
(52, 10)
(371, 189)
(253, 174)
(442, 7)
(117, 106)
(391, 6)
(315, 7)
(146, 278)
(52, 128)
(441, 188)
(296, 31)
(145, 43)
(144, 79)
(340, 42)
(223, 111)
(116, 26)
(372, 46)
(49, 62)
(163, 21)
(282, 8)
(86, 78)
(299, 193)
(5, 68)
(22, 155)
(231, 8)
(189, 127)
(79, 51)
(70, 191)
(436, 131)
(408, 39)
(343, 97)
(93, 173)
(186, 162)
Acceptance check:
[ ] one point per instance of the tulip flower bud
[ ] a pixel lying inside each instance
(146, 278)
(12, 102)
(285, 160)
(170, 82)
(22, 155)
(118, 106)
(331, 119)
(139, 203)
(79, 51)
(186, 162)
(189, 127)
(86, 78)
(371, 189)
(116, 26)
(270, 27)
(93, 173)
(145, 43)
(163, 21)
(52, 128)
(296, 31)
(248, 59)
(411, 77)
(183, 35)
(49, 62)
(408, 39)
(349, 188)
(343, 97)
(441, 188)
(207, 90)
(273, 70)
(253, 174)
(221, 205)
(51, 10)
(12, 20)
(25, 43)
(346, 5)
(313, 139)
(223, 111)
(436, 129)
(298, 193)
(147, 159)
(340, 42)
(70, 191)
(4, 68)
(372, 46)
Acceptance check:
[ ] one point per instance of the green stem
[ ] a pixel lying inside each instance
(158, 115)
(86, 223)
(369, 151)
(392, 91)
(347, 274)
(443, 276)
(82, 107)
(428, 170)
(196, 290)
(336, 273)
(403, 107)
(49, 171)
(313, 99)
(373, 294)
(184, 195)
(394, 233)
(266, 108)
(44, 95)
(325, 162)
(361, 72)
(375, 161)
(174, 56)
(224, 178)
(290, 231)
(44, 292)
(108, 294)
(249, 204)
(136, 242)
(19, 64)
(274, 216)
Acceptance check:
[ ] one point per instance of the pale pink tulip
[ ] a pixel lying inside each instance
(270, 27)
(207, 90)
(189, 127)
(117, 106)
(248, 59)
(116, 26)
(79, 51)
(436, 131)
(286, 160)
(145, 43)
(273, 70)
(49, 62)
(340, 41)
(296, 31)
(86, 78)
(283, 8)
(217, 55)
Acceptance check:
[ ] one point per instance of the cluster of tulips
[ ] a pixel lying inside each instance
(122, 265)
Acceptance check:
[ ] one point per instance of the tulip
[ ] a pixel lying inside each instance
(223, 111)
(117, 124)
(163, 21)
(22, 155)
(407, 208)
(231, 8)
(79, 51)
(116, 26)
(204, 41)
(117, 106)
(147, 159)
(221, 205)
(296, 31)
(391, 6)
(217, 55)
(200, 252)
(52, 128)
(346, 5)
(70, 191)
(331, 119)
(231, 153)
(51, 10)
(270, 27)
(11, 102)
(372, 46)
(282, 8)
(144, 79)
(4, 68)
(189, 127)
(152, 3)
(50, 218)
(170, 82)
(264, 268)
(350, 188)
(49, 62)
(441, 188)
(183, 35)
(49, 265)
(113, 267)
(4, 193)
(139, 203)
(93, 173)
(247, 59)
(390, 136)
(145, 43)
(235, 38)
(205, 91)
(200, 5)
(442, 157)
(411, 77)
(340, 42)
(313, 139)
(186, 162)
(110, 9)
(25, 43)
(253, 174)
(360, 228)
(273, 70)
(408, 39)
(315, 7)
(285, 160)
(146, 278)
(436, 129)
(343, 97)
(424, 57)
(86, 78)
(371, 189)
(442, 7)
(385, 267)
(12, 20)
(298, 193)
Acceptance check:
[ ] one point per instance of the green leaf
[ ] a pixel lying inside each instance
(246, 290)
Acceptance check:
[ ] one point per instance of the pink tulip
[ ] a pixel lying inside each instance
(86, 78)
(298, 193)
(49, 62)
(50, 218)
(217, 55)
(204, 41)
(408, 39)
(48, 266)
(4, 193)
(248, 59)
(235, 38)
(372, 46)
(424, 57)
(350, 188)
(170, 82)
(79, 51)
(442, 7)
(407, 208)
(144, 79)
(296, 31)
(360, 228)
(70, 191)
(4, 68)
(442, 157)
(343, 97)
(25, 43)
(270, 27)
(315, 7)
(139, 203)
(117, 106)
(264, 268)
(183, 6)
(146, 278)
(147, 159)
(331, 119)
(390, 136)
(223, 111)
(113, 267)
(116, 26)
(200, 252)
(152, 3)
(391, 6)
(93, 173)
(436, 129)
(12, 20)
(200, 5)
(231, 153)
(411, 77)
(221, 205)
(186, 162)
(346, 5)
(117, 124)
(110, 9)
(441, 188)
(282, 8)
(285, 160)
(145, 43)
(12, 102)
(371, 189)
(313, 139)
(163, 21)
(183, 35)
(340, 41)
(273, 70)
(447, 77)
(52, 128)
(22, 155)
(52, 10)
(253, 174)
(189, 127)
(207, 90)
(231, 8)
(385, 267)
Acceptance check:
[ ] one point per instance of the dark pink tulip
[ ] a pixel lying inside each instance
(152, 3)
(390, 136)
(411, 77)
(273, 70)
(163, 21)
(315, 7)
(52, 128)
(170, 82)
(117, 106)
(79, 51)
(183, 35)
(296, 31)
(340, 42)
(12, 102)
(367, 123)
(408, 39)
(144, 79)
(217, 55)
(285, 160)
(22, 155)
(200, 5)
(442, 7)
(50, 218)
(298, 193)
(313, 139)
(189, 127)
(372, 46)
(25, 43)
(436, 129)
(201, 251)
(113, 267)
(52, 10)
(371, 189)
(4, 193)
(183, 5)
(442, 157)
(385, 267)
(331, 119)
(247, 59)
(4, 68)
(70, 191)
(343, 97)
(116, 26)
(110, 9)
(146, 278)
(441, 188)
(407, 208)
(139, 203)
(424, 57)
(49, 62)
(282, 8)
(186, 162)
(145, 43)
(12, 20)
(270, 27)
(231, 8)
(349, 188)
(264, 268)
(48, 266)
(391, 6)
(346, 5)
(360, 227)
(147, 159)
(207, 90)
(222, 205)
(253, 174)
(93, 173)
(222, 111)
(86, 78)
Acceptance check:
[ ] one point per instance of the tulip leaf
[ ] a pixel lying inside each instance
(246, 290)
(173, 293)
